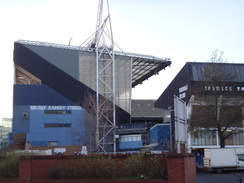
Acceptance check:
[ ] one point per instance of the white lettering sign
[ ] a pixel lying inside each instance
(223, 88)
(59, 150)
(58, 107)
(240, 88)
(37, 107)
(183, 88)
(73, 107)
(182, 95)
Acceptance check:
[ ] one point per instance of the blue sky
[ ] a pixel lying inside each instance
(183, 30)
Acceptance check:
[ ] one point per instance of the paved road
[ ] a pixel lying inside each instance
(226, 177)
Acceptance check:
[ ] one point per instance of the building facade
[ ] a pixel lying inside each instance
(5, 129)
(149, 128)
(210, 90)
(52, 81)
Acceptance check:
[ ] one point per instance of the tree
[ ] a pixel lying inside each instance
(96, 121)
(219, 107)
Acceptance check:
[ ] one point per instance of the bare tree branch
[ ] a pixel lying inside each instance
(221, 110)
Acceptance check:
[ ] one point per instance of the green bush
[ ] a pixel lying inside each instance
(84, 167)
(9, 166)
(9, 163)
(156, 167)
(104, 167)
(107, 167)
(134, 166)
(146, 166)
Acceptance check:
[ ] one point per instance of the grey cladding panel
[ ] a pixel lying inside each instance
(236, 69)
(65, 59)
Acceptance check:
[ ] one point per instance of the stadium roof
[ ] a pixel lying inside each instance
(143, 66)
(192, 76)
(145, 108)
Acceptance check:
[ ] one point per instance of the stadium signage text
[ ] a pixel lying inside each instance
(41, 107)
(224, 88)
(182, 90)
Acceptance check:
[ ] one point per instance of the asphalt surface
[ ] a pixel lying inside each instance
(225, 177)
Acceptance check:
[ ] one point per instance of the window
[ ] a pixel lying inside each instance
(235, 139)
(56, 125)
(24, 115)
(52, 143)
(130, 138)
(203, 137)
(57, 112)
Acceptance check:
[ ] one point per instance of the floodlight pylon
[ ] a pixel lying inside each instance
(103, 45)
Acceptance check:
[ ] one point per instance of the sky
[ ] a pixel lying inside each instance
(182, 30)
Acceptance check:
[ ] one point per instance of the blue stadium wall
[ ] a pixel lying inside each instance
(159, 139)
(63, 122)
(160, 135)
(132, 143)
(56, 129)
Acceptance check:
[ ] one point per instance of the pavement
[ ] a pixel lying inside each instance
(225, 177)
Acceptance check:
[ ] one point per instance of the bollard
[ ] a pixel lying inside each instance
(240, 180)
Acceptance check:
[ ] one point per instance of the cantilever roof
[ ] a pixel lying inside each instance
(143, 66)
(145, 108)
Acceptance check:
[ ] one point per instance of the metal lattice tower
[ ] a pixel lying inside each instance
(102, 43)
(105, 71)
